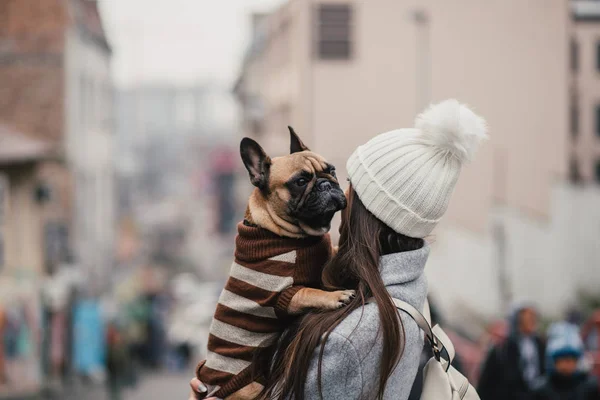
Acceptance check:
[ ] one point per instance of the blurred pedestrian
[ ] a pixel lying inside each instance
(116, 363)
(3, 376)
(512, 367)
(565, 380)
(184, 349)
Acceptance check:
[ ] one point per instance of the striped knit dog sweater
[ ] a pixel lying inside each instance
(267, 272)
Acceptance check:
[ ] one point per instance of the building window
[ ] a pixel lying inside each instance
(574, 117)
(574, 55)
(3, 215)
(83, 117)
(56, 245)
(598, 120)
(92, 104)
(185, 110)
(334, 36)
(574, 172)
(107, 112)
(256, 127)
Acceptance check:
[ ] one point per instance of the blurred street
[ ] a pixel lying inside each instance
(154, 386)
(162, 386)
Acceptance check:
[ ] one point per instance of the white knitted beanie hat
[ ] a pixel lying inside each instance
(406, 177)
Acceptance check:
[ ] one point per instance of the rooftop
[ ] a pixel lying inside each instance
(88, 20)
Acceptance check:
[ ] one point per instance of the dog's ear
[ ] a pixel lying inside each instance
(296, 144)
(257, 162)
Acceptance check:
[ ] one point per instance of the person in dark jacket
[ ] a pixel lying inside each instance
(116, 362)
(512, 368)
(565, 379)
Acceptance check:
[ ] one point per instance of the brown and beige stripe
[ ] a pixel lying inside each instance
(268, 270)
(243, 321)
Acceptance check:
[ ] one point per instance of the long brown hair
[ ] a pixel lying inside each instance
(363, 239)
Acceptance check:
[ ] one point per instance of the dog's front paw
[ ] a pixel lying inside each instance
(340, 298)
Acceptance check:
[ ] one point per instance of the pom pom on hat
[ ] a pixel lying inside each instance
(453, 128)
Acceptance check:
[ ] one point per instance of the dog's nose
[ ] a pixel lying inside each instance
(324, 185)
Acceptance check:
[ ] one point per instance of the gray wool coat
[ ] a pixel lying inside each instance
(352, 353)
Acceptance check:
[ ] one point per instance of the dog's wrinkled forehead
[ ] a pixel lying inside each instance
(283, 168)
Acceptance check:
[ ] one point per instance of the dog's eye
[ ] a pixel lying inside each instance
(332, 173)
(301, 182)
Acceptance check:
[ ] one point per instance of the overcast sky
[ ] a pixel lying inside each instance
(179, 41)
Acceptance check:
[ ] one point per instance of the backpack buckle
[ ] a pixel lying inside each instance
(436, 350)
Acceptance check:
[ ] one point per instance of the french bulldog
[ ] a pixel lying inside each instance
(281, 249)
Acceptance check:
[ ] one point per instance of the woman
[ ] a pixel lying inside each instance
(400, 186)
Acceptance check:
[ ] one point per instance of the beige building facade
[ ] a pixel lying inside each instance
(401, 56)
(341, 72)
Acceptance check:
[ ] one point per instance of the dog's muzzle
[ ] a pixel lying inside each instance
(323, 202)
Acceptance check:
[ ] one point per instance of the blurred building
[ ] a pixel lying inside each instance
(56, 86)
(155, 127)
(176, 173)
(90, 128)
(341, 72)
(585, 91)
(57, 191)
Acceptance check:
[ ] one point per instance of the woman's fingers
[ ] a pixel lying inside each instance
(198, 388)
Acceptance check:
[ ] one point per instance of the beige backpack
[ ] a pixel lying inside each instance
(441, 381)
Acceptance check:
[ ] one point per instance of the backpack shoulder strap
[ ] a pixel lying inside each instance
(419, 318)
(436, 335)
(427, 312)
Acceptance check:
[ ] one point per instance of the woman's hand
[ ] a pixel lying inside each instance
(199, 390)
